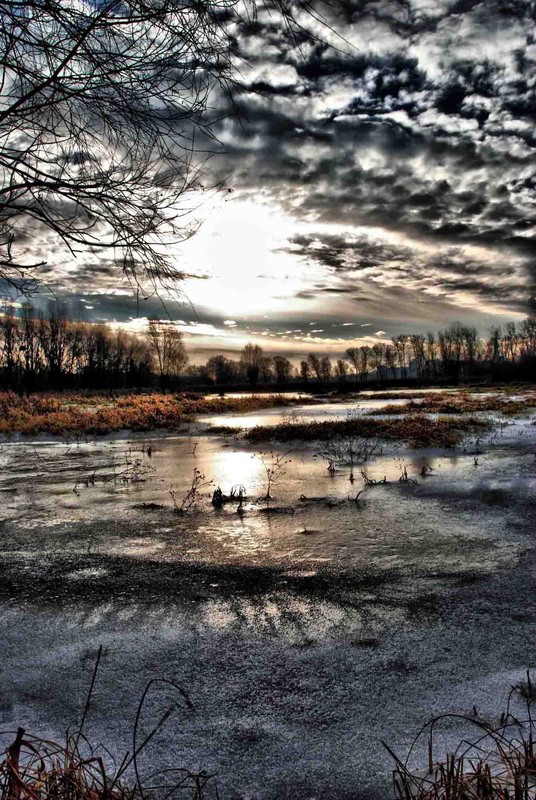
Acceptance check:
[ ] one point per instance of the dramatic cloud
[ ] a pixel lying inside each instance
(384, 178)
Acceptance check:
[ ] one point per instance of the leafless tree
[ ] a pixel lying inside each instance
(341, 370)
(325, 369)
(352, 354)
(364, 352)
(167, 345)
(494, 344)
(376, 357)
(46, 349)
(267, 367)
(400, 345)
(283, 369)
(53, 336)
(315, 364)
(222, 369)
(390, 358)
(251, 359)
(30, 345)
(9, 338)
(105, 113)
(352, 450)
(305, 370)
(528, 336)
(418, 343)
(431, 353)
(275, 471)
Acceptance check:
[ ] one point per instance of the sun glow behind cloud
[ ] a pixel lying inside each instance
(240, 251)
(268, 276)
(253, 264)
(257, 271)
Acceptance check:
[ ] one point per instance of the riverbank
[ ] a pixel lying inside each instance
(464, 402)
(97, 415)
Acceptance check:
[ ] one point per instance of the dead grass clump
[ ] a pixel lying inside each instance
(351, 451)
(191, 498)
(403, 470)
(127, 470)
(526, 689)
(461, 403)
(234, 405)
(33, 768)
(497, 763)
(237, 495)
(371, 481)
(78, 414)
(393, 395)
(415, 430)
(502, 388)
(225, 430)
(274, 466)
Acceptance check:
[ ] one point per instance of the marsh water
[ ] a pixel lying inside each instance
(306, 630)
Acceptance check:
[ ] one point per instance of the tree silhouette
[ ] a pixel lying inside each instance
(166, 343)
(251, 359)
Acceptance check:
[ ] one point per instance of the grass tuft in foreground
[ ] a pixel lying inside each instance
(497, 762)
(36, 769)
(32, 768)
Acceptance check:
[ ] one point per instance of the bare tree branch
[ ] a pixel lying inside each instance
(106, 121)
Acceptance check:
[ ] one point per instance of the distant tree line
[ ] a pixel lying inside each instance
(49, 350)
(453, 353)
(253, 367)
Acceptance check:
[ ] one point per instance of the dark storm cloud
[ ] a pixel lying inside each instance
(355, 260)
(415, 122)
(425, 127)
(340, 254)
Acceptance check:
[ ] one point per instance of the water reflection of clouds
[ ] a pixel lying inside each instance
(136, 548)
(247, 537)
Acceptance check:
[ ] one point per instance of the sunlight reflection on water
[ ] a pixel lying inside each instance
(79, 501)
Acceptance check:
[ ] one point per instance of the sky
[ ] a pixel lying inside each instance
(378, 181)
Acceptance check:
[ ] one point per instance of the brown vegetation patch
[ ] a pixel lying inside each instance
(462, 403)
(414, 430)
(79, 414)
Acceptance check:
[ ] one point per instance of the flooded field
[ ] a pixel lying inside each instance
(325, 410)
(306, 629)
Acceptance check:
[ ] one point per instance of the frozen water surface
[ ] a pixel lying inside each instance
(307, 413)
(304, 636)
